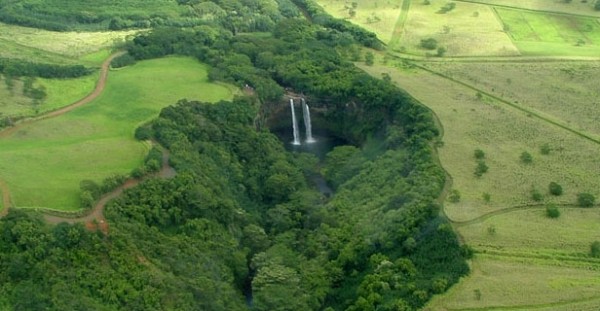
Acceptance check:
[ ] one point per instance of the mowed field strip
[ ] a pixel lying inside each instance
(43, 162)
(39, 45)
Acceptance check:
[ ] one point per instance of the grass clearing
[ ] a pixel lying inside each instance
(559, 6)
(503, 133)
(532, 232)
(468, 30)
(43, 162)
(537, 33)
(523, 284)
(55, 47)
(564, 91)
(60, 92)
(378, 16)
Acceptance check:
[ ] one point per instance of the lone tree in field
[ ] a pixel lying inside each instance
(481, 168)
(555, 189)
(586, 199)
(479, 154)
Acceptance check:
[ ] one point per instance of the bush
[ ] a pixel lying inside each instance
(479, 154)
(122, 61)
(429, 43)
(552, 211)
(447, 8)
(481, 168)
(526, 157)
(586, 199)
(545, 149)
(536, 195)
(595, 249)
(555, 189)
(454, 196)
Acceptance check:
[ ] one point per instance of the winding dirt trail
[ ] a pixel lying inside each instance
(94, 218)
(100, 85)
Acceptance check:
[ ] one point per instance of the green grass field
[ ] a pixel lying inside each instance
(536, 33)
(530, 232)
(60, 92)
(468, 30)
(563, 91)
(44, 162)
(575, 7)
(56, 47)
(522, 284)
(503, 133)
(378, 16)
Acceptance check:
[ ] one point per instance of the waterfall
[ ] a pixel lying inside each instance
(294, 124)
(307, 125)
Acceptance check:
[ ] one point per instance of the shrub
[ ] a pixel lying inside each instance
(586, 199)
(429, 43)
(487, 197)
(526, 157)
(441, 51)
(479, 154)
(536, 195)
(447, 8)
(555, 189)
(454, 196)
(552, 211)
(545, 149)
(481, 168)
(595, 249)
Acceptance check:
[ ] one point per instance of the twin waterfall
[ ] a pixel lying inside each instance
(307, 124)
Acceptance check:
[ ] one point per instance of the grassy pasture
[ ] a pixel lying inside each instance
(60, 92)
(44, 162)
(567, 92)
(521, 284)
(378, 16)
(503, 133)
(55, 47)
(536, 33)
(575, 7)
(468, 30)
(530, 232)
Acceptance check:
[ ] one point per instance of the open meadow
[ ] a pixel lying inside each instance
(39, 45)
(59, 93)
(378, 16)
(567, 92)
(542, 33)
(469, 29)
(503, 134)
(43, 162)
(573, 7)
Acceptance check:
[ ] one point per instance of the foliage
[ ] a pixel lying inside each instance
(479, 154)
(429, 43)
(122, 61)
(526, 157)
(454, 196)
(545, 149)
(586, 199)
(595, 249)
(555, 189)
(536, 195)
(447, 8)
(18, 68)
(481, 168)
(552, 211)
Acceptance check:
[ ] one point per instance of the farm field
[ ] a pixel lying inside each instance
(575, 7)
(378, 16)
(523, 284)
(564, 91)
(503, 133)
(43, 162)
(55, 47)
(60, 92)
(468, 30)
(537, 33)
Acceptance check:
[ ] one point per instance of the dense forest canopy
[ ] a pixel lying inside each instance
(241, 226)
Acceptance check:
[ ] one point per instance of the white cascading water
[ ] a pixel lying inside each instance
(294, 124)
(307, 124)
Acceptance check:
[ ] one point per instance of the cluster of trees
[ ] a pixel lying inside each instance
(19, 68)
